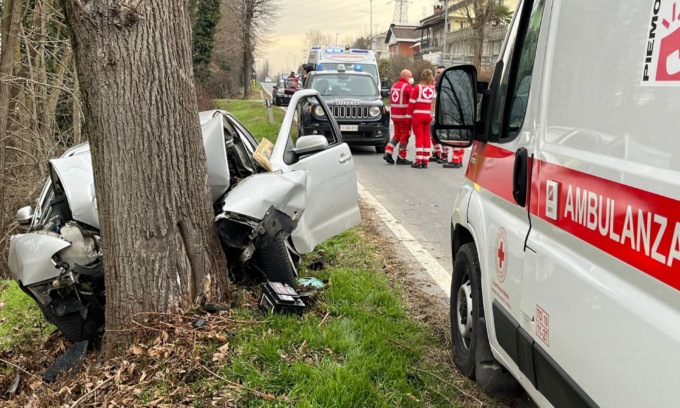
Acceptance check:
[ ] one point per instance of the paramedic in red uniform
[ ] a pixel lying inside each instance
(419, 108)
(399, 96)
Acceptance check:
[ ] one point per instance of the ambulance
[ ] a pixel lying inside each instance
(353, 59)
(566, 231)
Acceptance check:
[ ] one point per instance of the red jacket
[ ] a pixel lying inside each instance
(399, 95)
(420, 102)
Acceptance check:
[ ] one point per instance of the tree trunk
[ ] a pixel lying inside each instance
(160, 245)
(11, 20)
(478, 33)
(246, 65)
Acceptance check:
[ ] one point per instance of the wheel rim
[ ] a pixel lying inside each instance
(464, 311)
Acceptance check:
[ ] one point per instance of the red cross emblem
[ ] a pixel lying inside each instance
(428, 92)
(501, 254)
(395, 96)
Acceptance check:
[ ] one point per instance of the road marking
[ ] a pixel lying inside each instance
(431, 266)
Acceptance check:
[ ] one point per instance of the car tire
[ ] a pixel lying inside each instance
(380, 148)
(469, 337)
(276, 102)
(466, 308)
(276, 261)
(72, 325)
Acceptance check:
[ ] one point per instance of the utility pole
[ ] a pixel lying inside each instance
(446, 30)
(371, 25)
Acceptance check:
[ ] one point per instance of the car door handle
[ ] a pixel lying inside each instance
(519, 176)
(345, 158)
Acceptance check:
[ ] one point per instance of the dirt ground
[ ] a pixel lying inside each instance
(429, 305)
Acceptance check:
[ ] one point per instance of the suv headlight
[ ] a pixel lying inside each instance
(318, 111)
(374, 111)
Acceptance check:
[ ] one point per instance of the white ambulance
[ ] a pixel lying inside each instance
(353, 59)
(566, 231)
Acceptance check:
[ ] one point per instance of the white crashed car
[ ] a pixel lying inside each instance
(267, 212)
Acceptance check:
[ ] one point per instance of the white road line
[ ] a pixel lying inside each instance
(431, 266)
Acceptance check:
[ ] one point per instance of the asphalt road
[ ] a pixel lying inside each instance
(421, 200)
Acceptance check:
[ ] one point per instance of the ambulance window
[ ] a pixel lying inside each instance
(512, 94)
(526, 66)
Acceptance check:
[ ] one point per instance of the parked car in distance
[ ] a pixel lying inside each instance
(269, 208)
(284, 90)
(268, 79)
(356, 104)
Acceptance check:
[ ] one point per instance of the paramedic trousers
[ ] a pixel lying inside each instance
(402, 131)
(421, 129)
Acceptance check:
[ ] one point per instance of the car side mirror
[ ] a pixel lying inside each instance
(310, 144)
(384, 83)
(384, 92)
(456, 107)
(25, 215)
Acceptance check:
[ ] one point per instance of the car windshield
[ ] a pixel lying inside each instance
(344, 84)
(286, 83)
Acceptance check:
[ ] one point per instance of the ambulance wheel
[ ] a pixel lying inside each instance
(471, 350)
(466, 308)
(276, 260)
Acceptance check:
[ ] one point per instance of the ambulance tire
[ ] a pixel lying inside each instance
(470, 340)
(466, 308)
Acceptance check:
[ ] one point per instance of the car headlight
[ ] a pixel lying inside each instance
(318, 111)
(374, 111)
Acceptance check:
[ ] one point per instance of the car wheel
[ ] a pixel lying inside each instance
(470, 340)
(276, 102)
(466, 308)
(72, 325)
(380, 148)
(276, 260)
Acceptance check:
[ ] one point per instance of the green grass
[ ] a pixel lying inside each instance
(254, 116)
(356, 348)
(20, 319)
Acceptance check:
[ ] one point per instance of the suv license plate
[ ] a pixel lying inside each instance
(349, 128)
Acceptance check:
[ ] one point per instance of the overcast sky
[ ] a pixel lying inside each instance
(346, 18)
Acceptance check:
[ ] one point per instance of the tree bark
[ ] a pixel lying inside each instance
(161, 250)
(11, 20)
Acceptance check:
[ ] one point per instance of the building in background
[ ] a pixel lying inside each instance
(379, 46)
(459, 44)
(402, 39)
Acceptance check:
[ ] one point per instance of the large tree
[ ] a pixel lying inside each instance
(479, 13)
(207, 16)
(256, 17)
(9, 39)
(160, 247)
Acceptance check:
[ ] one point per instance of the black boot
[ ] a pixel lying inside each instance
(388, 158)
(404, 161)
